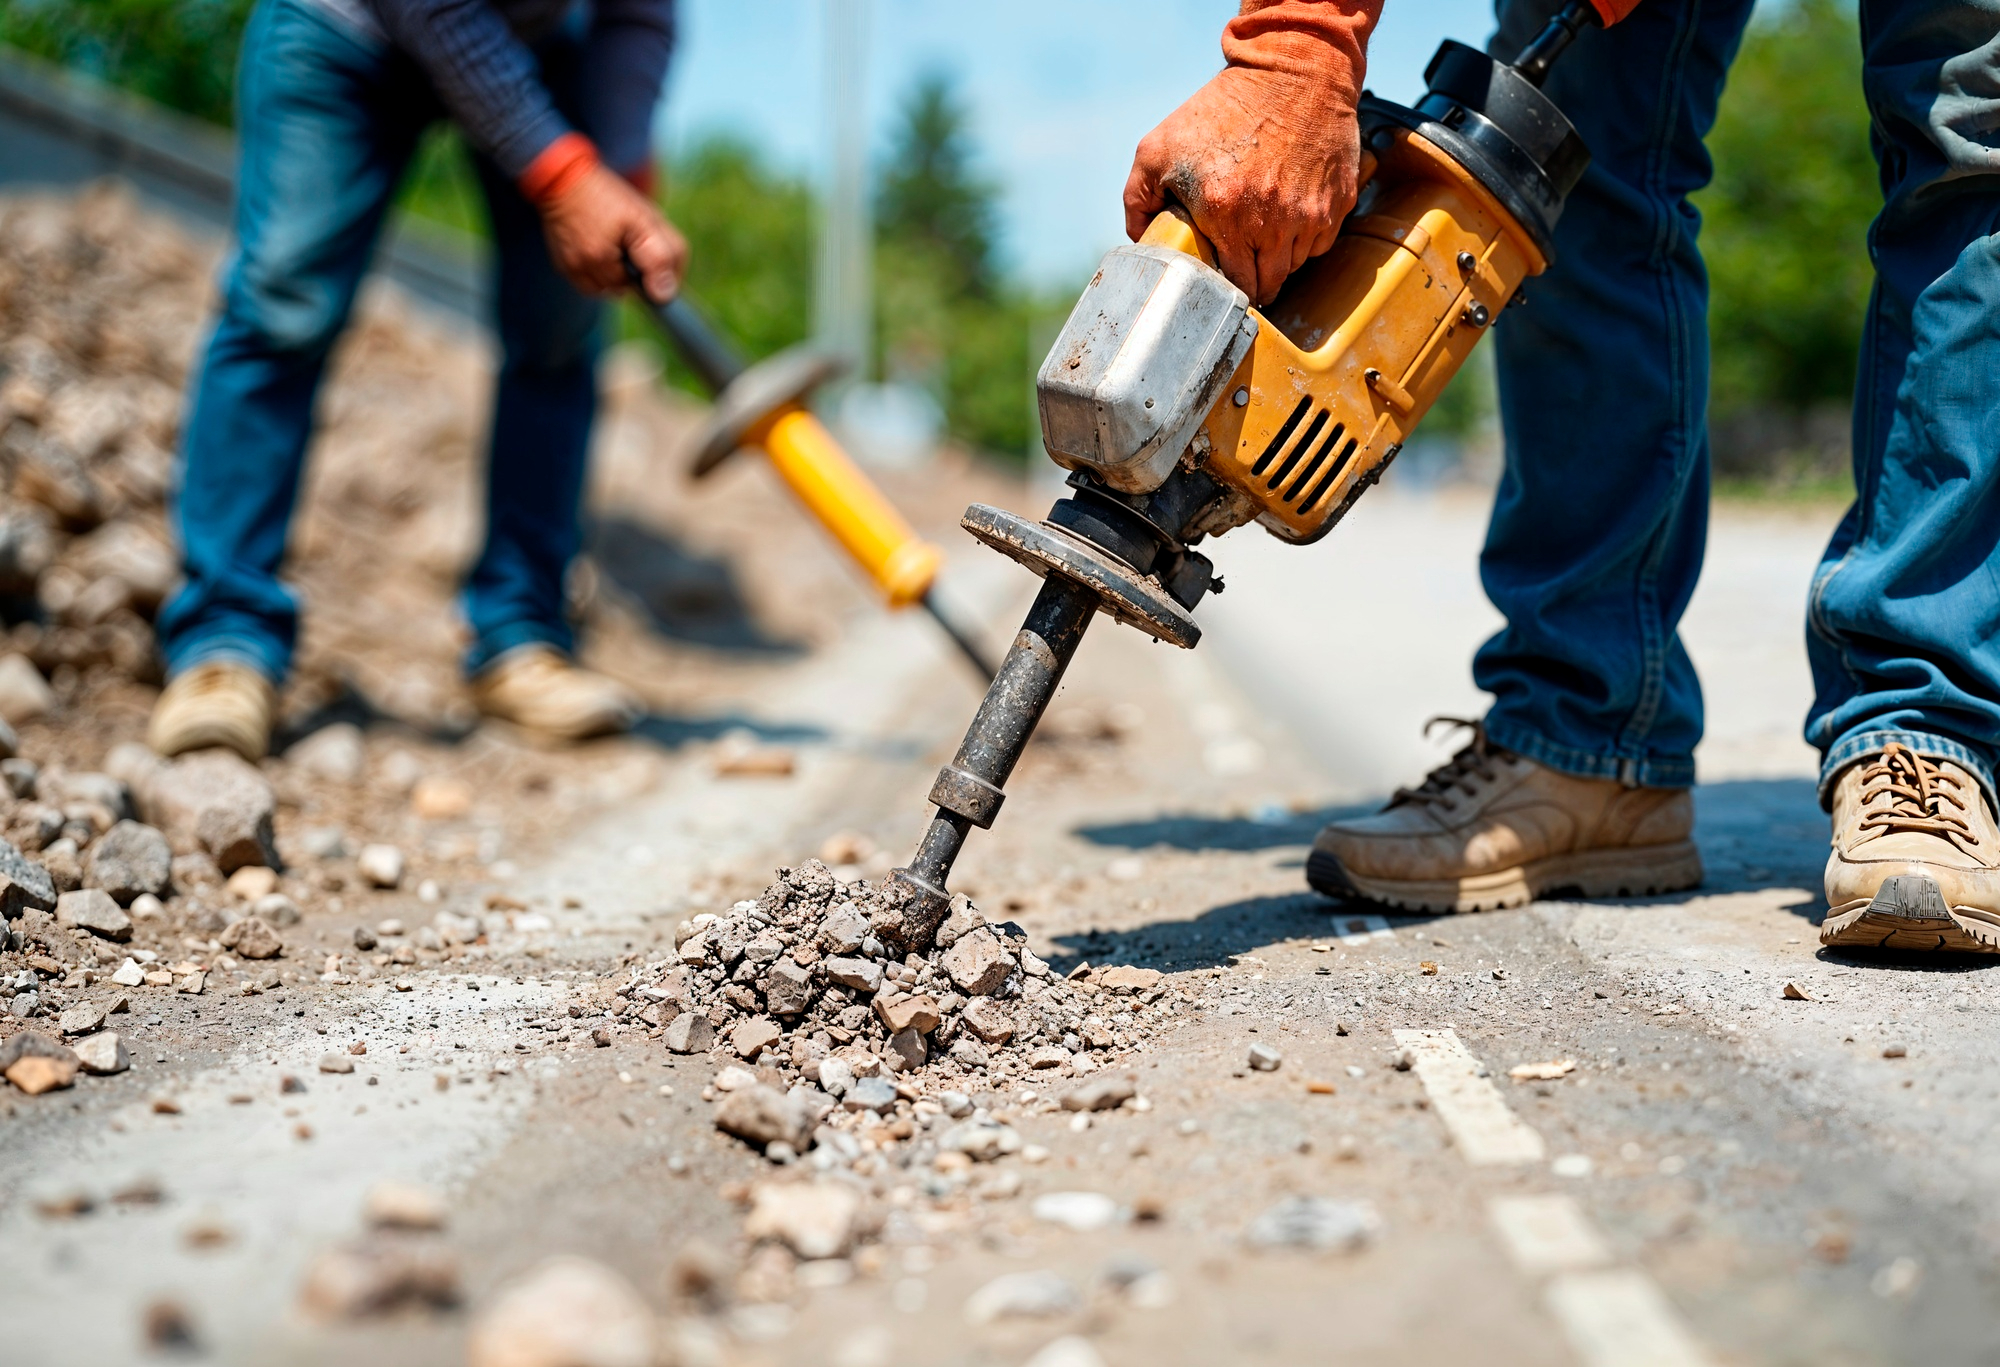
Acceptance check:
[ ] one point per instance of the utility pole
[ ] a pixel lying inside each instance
(843, 290)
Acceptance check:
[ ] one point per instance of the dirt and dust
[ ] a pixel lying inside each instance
(694, 596)
(433, 1131)
(853, 1036)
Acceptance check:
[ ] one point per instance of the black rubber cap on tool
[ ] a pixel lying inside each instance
(1526, 117)
(1500, 127)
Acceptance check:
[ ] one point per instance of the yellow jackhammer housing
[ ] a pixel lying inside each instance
(1181, 412)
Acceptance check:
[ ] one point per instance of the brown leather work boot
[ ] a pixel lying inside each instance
(543, 690)
(216, 702)
(1916, 858)
(1492, 829)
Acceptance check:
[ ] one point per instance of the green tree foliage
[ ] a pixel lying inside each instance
(180, 53)
(750, 238)
(946, 315)
(1786, 218)
(931, 200)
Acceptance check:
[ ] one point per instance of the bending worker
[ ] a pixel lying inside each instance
(1578, 777)
(556, 98)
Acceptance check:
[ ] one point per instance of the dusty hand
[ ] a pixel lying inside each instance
(1266, 168)
(598, 222)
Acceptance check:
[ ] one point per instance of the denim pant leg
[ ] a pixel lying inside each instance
(328, 122)
(1598, 526)
(543, 409)
(1903, 625)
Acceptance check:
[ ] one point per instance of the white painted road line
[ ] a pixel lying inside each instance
(1547, 1234)
(1614, 1317)
(1486, 1131)
(1621, 1319)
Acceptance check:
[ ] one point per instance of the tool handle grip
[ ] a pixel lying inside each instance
(834, 490)
(1174, 227)
(699, 344)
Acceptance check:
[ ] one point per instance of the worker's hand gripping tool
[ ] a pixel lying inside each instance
(1181, 412)
(764, 406)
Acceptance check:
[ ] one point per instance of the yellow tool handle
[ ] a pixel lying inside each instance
(811, 462)
(1174, 226)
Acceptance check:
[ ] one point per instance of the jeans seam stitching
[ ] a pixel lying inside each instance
(1866, 473)
(1655, 646)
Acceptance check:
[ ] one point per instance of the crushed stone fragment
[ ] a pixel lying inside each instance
(817, 979)
(1542, 1072)
(1102, 1094)
(813, 1219)
(1023, 1295)
(1316, 1224)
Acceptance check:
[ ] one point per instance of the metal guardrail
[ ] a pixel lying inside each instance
(59, 130)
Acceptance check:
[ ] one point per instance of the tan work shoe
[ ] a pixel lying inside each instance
(540, 688)
(216, 702)
(1916, 858)
(1492, 829)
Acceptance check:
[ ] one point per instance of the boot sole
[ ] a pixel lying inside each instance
(1644, 871)
(1909, 912)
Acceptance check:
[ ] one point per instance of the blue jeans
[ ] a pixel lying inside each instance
(329, 120)
(1598, 527)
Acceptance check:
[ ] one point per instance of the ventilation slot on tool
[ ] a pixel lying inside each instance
(1332, 474)
(1319, 459)
(1284, 435)
(1279, 475)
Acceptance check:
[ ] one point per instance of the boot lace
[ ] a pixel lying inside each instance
(1903, 791)
(214, 677)
(1463, 772)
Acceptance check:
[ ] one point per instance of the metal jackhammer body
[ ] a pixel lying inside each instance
(1181, 412)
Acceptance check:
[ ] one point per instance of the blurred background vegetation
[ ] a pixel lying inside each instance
(1785, 236)
(1785, 233)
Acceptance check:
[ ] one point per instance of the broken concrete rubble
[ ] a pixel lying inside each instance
(1101, 1094)
(813, 1219)
(690, 1034)
(568, 1312)
(1316, 1224)
(102, 1053)
(381, 1272)
(762, 1116)
(852, 1027)
(24, 884)
(252, 938)
(93, 910)
(35, 1063)
(209, 800)
(129, 861)
(978, 964)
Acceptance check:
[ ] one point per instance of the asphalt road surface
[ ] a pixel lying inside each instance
(1692, 1167)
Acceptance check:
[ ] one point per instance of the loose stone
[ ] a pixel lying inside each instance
(93, 910)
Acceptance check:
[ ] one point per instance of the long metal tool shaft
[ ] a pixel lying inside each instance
(971, 786)
(960, 634)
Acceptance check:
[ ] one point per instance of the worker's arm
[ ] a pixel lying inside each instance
(488, 80)
(1266, 155)
(626, 55)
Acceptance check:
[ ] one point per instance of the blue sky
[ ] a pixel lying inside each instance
(1060, 92)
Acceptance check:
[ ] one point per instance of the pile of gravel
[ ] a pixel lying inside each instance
(808, 983)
